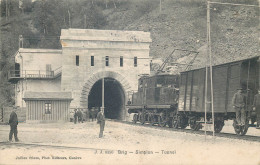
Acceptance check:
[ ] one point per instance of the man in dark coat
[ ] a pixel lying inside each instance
(101, 121)
(238, 102)
(256, 107)
(13, 122)
(80, 116)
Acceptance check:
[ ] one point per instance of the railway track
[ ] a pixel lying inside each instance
(35, 145)
(200, 132)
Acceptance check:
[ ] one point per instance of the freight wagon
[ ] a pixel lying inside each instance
(227, 78)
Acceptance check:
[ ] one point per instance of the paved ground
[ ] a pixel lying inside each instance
(122, 144)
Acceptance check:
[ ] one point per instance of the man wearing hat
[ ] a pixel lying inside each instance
(238, 102)
(13, 122)
(256, 107)
(101, 121)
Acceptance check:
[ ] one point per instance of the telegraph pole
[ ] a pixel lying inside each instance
(210, 65)
(85, 21)
(6, 10)
(103, 86)
(210, 60)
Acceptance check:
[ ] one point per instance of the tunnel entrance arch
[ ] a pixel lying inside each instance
(116, 89)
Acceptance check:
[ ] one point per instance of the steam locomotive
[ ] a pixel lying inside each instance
(179, 100)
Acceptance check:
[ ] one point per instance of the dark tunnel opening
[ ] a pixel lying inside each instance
(114, 98)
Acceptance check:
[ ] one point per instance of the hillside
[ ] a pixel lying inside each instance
(180, 24)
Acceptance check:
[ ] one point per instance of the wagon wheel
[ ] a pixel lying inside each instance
(240, 130)
(218, 125)
(195, 126)
(135, 118)
(236, 127)
(253, 120)
(162, 120)
(244, 128)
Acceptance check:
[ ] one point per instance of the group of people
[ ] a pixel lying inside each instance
(78, 116)
(239, 103)
(84, 114)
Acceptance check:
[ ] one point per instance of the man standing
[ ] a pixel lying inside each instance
(101, 121)
(75, 116)
(80, 116)
(13, 122)
(256, 107)
(238, 103)
(92, 113)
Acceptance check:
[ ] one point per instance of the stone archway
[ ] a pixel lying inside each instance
(95, 79)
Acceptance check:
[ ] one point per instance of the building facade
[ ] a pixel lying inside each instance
(87, 56)
(47, 106)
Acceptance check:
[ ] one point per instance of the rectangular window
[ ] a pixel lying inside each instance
(77, 60)
(107, 61)
(121, 61)
(17, 69)
(92, 61)
(135, 61)
(47, 108)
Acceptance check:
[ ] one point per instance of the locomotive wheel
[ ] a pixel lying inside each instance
(152, 120)
(175, 122)
(135, 118)
(162, 121)
(142, 118)
(218, 125)
(240, 130)
(170, 122)
(179, 122)
(183, 122)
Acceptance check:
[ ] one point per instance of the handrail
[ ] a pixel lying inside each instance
(35, 73)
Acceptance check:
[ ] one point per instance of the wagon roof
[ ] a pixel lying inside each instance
(47, 96)
(256, 57)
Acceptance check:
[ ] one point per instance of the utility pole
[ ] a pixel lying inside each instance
(69, 18)
(103, 85)
(6, 10)
(160, 5)
(211, 71)
(206, 76)
(85, 21)
(20, 41)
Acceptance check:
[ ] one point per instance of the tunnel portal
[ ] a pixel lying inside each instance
(114, 98)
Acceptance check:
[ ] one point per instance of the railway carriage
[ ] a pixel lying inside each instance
(179, 100)
(227, 78)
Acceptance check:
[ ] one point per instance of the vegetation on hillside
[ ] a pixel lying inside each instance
(172, 24)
